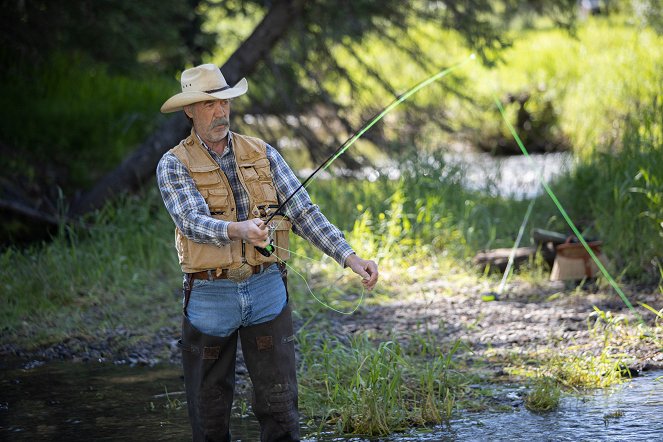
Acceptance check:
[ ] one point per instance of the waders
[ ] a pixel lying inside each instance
(269, 353)
(209, 377)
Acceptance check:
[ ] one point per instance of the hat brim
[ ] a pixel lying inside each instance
(178, 101)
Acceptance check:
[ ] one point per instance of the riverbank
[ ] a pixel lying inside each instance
(526, 321)
(532, 330)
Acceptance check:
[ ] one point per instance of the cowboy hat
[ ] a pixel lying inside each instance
(203, 83)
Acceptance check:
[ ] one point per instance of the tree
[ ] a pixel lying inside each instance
(290, 51)
(115, 32)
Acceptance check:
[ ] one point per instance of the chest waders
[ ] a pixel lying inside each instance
(209, 376)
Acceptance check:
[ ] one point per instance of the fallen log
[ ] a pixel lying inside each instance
(498, 258)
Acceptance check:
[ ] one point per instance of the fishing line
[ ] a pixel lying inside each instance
(271, 247)
(495, 295)
(320, 301)
(267, 251)
(566, 217)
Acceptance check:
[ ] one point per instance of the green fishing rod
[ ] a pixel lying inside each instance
(269, 249)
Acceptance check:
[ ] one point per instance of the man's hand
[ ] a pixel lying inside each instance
(368, 270)
(253, 231)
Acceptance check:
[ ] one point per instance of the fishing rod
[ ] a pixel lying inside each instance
(269, 249)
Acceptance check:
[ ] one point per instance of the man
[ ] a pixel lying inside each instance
(220, 187)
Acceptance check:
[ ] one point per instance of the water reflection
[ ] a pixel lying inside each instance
(103, 402)
(100, 402)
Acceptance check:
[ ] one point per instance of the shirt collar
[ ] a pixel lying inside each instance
(225, 151)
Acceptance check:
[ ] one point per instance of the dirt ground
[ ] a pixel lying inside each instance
(523, 320)
(526, 319)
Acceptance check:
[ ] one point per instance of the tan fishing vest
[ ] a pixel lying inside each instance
(255, 176)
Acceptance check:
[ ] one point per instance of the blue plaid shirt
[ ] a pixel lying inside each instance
(191, 214)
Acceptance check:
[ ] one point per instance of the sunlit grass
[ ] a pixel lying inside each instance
(359, 386)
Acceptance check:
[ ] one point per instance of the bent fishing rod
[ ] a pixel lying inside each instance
(269, 249)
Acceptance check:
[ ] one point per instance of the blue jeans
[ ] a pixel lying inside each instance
(220, 307)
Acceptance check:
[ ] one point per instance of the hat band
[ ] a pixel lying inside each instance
(217, 90)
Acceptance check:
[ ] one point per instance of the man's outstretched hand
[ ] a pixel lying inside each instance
(367, 269)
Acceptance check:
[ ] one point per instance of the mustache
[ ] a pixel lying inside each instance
(220, 122)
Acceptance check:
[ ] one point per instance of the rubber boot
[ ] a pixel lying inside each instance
(209, 379)
(269, 353)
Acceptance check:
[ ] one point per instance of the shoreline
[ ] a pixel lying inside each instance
(526, 319)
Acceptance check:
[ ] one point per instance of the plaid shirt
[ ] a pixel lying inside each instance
(191, 214)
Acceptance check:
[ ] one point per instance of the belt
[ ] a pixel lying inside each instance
(211, 275)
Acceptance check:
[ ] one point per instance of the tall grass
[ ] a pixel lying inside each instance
(621, 194)
(362, 387)
(590, 80)
(105, 275)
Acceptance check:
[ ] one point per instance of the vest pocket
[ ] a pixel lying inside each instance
(206, 175)
(218, 201)
(269, 193)
(252, 182)
(210, 256)
(282, 239)
(194, 256)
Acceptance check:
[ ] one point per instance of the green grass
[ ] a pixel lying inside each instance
(75, 117)
(113, 273)
(361, 387)
(544, 395)
(620, 195)
(586, 84)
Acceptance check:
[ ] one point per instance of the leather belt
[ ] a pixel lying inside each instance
(211, 275)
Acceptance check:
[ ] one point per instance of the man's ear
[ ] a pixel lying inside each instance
(188, 111)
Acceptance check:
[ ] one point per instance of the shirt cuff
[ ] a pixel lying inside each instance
(221, 232)
(342, 254)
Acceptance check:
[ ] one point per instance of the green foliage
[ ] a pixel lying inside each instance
(76, 120)
(362, 387)
(109, 270)
(122, 34)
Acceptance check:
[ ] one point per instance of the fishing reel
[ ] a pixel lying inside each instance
(264, 212)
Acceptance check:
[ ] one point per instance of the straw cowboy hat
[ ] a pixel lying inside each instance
(203, 83)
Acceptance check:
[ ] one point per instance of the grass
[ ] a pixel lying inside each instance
(102, 276)
(544, 395)
(120, 270)
(359, 387)
(80, 118)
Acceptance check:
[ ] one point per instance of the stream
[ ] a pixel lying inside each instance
(66, 401)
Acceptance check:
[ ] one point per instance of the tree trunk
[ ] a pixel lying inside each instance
(140, 166)
(137, 168)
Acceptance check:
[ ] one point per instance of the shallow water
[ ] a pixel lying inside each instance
(105, 402)
(515, 176)
(632, 411)
(66, 401)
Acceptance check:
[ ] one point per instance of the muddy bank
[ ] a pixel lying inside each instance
(525, 319)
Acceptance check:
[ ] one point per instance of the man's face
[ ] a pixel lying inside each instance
(211, 119)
